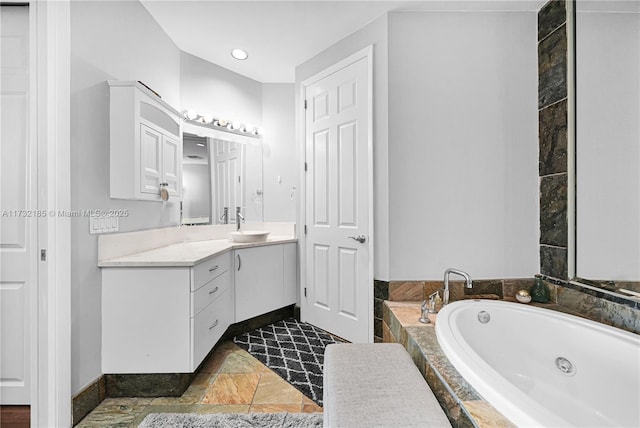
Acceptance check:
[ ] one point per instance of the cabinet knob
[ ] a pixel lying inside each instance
(213, 325)
(239, 261)
(214, 290)
(214, 268)
(164, 194)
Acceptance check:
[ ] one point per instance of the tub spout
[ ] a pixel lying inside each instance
(449, 271)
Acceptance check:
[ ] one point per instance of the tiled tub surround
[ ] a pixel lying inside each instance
(553, 165)
(462, 404)
(412, 291)
(552, 131)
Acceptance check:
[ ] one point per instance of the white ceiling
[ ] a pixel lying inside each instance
(279, 35)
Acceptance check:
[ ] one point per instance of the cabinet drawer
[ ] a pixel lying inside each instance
(210, 269)
(209, 292)
(209, 326)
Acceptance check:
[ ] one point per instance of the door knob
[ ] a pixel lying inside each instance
(359, 238)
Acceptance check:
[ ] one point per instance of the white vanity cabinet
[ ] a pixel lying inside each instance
(145, 144)
(265, 279)
(164, 319)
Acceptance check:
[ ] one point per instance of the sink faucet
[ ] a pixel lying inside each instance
(225, 215)
(238, 218)
(445, 298)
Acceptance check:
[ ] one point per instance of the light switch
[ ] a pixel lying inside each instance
(103, 224)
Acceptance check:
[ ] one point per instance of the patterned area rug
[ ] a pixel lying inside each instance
(293, 350)
(232, 420)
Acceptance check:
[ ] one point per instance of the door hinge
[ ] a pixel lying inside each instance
(43, 255)
(305, 291)
(305, 229)
(305, 104)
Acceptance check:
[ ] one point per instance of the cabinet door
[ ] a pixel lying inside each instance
(146, 320)
(290, 295)
(171, 165)
(258, 280)
(150, 160)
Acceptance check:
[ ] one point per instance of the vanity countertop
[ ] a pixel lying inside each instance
(187, 253)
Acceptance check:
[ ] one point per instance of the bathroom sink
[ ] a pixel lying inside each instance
(249, 236)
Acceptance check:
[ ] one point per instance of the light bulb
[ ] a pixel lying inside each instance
(192, 114)
(248, 129)
(260, 131)
(222, 122)
(236, 125)
(207, 118)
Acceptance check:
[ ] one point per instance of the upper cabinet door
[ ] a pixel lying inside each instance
(171, 165)
(151, 149)
(145, 149)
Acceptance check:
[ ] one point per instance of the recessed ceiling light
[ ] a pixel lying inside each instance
(239, 54)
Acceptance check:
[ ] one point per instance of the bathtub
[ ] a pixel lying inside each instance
(542, 368)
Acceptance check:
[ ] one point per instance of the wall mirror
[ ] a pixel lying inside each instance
(220, 172)
(607, 145)
(196, 205)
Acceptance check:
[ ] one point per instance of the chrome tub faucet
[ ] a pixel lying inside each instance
(449, 271)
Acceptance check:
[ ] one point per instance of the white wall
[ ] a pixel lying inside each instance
(209, 88)
(109, 40)
(373, 34)
(463, 179)
(279, 152)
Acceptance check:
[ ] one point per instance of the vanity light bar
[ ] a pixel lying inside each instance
(235, 127)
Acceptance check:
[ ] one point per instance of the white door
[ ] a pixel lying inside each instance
(338, 279)
(150, 152)
(228, 177)
(17, 198)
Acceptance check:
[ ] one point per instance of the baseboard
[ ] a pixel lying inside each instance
(88, 399)
(148, 384)
(259, 321)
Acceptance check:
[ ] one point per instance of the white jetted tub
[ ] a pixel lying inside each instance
(542, 368)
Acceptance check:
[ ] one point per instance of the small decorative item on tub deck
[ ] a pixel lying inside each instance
(523, 296)
(539, 292)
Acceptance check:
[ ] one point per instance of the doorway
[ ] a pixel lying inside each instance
(338, 175)
(18, 197)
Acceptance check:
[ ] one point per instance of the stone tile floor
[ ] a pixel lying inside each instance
(230, 381)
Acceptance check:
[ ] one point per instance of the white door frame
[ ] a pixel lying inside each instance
(302, 238)
(50, 132)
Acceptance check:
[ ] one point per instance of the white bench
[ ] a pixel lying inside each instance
(376, 385)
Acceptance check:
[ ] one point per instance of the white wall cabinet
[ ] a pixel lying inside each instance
(164, 319)
(145, 144)
(265, 279)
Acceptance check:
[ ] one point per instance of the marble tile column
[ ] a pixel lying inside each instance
(552, 122)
